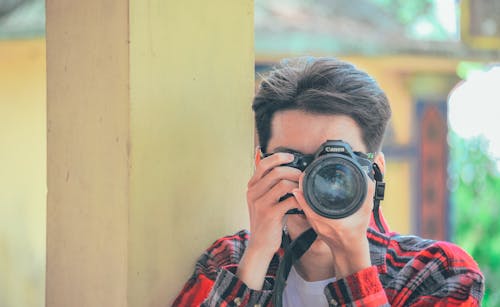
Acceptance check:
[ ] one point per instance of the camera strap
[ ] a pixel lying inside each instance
(379, 195)
(293, 252)
(295, 249)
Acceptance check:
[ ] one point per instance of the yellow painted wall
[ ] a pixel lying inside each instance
(149, 143)
(396, 206)
(191, 68)
(22, 175)
(404, 79)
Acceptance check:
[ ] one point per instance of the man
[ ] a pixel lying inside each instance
(354, 260)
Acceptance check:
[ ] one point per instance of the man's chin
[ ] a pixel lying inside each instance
(297, 224)
(319, 247)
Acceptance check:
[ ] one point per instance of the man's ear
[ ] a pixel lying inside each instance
(258, 155)
(380, 160)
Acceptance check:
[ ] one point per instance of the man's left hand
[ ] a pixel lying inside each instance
(345, 237)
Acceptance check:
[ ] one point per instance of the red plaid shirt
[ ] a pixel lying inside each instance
(406, 271)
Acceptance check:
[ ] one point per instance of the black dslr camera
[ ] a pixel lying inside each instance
(334, 183)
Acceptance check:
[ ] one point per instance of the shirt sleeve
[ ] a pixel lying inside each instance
(441, 275)
(450, 275)
(229, 290)
(362, 288)
(214, 281)
(225, 290)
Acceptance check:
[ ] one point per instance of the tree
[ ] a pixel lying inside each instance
(475, 196)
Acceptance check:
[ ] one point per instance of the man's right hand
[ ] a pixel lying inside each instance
(269, 183)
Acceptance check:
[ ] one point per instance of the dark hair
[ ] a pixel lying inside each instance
(322, 86)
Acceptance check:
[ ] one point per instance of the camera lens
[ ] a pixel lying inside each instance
(334, 186)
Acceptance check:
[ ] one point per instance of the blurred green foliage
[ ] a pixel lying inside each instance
(407, 11)
(475, 195)
(413, 14)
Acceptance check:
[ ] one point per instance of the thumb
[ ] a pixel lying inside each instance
(299, 196)
(304, 206)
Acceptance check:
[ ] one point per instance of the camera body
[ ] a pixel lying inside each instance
(334, 183)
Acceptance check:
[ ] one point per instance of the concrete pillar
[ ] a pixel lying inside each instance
(149, 143)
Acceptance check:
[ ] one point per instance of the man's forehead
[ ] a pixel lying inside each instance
(295, 130)
(287, 149)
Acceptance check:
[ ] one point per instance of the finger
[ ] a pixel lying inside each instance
(371, 186)
(286, 205)
(267, 164)
(299, 195)
(301, 201)
(301, 179)
(280, 189)
(271, 179)
(370, 193)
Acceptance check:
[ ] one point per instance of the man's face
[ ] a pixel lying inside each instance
(305, 132)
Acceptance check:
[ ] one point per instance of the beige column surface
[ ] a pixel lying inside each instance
(149, 143)
(87, 157)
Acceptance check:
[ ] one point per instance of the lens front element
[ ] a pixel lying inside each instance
(334, 186)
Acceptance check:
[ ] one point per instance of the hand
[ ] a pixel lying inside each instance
(345, 237)
(268, 184)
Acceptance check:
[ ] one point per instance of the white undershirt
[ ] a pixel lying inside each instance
(300, 293)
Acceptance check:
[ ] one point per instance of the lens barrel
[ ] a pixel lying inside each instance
(334, 186)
